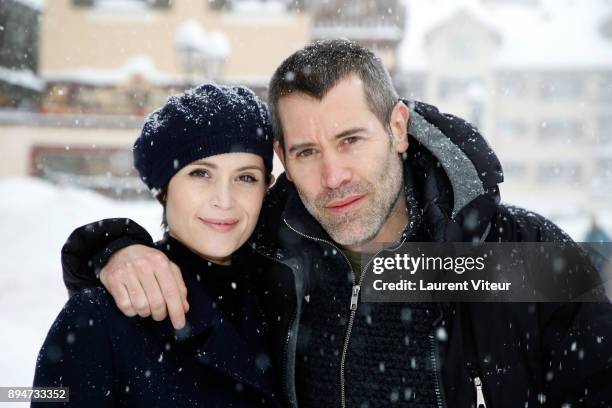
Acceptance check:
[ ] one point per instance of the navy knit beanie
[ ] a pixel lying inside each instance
(201, 122)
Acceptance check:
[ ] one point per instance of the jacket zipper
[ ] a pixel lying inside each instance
(436, 367)
(434, 353)
(480, 401)
(353, 307)
(473, 364)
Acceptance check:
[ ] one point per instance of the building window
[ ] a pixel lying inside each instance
(561, 86)
(120, 3)
(512, 85)
(514, 170)
(559, 173)
(218, 5)
(251, 6)
(106, 170)
(86, 98)
(561, 130)
(523, 2)
(462, 48)
(511, 128)
(458, 87)
(605, 87)
(604, 130)
(411, 86)
(19, 32)
(603, 171)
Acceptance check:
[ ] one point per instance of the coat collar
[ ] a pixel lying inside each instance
(218, 343)
(203, 313)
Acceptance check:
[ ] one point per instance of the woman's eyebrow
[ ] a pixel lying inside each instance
(214, 166)
(253, 167)
(204, 163)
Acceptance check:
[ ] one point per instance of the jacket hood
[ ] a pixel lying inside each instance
(457, 175)
(471, 166)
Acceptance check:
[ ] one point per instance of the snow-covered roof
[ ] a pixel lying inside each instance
(382, 32)
(139, 65)
(34, 4)
(219, 45)
(192, 35)
(120, 5)
(544, 34)
(257, 7)
(21, 77)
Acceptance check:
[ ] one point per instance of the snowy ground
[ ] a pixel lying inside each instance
(35, 219)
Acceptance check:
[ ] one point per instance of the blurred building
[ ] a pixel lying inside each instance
(19, 32)
(126, 56)
(99, 66)
(378, 25)
(534, 76)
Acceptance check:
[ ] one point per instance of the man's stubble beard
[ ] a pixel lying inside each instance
(363, 224)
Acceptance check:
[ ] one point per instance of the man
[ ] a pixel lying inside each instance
(363, 166)
(596, 233)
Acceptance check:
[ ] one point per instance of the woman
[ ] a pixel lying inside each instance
(207, 155)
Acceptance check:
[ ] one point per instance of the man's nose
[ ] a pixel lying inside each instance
(335, 171)
(222, 196)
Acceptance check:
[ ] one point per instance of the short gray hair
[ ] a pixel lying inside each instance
(317, 67)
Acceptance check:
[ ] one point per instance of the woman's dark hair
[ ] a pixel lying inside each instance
(161, 197)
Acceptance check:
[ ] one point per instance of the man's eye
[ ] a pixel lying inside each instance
(350, 140)
(199, 173)
(247, 178)
(305, 153)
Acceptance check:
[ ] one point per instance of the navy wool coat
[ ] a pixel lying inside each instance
(107, 359)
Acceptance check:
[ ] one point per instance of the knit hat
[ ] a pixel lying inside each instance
(201, 122)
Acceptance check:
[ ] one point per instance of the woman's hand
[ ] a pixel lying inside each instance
(144, 282)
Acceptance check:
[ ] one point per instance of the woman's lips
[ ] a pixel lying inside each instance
(346, 204)
(220, 224)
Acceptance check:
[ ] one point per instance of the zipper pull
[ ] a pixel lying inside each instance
(355, 297)
(480, 401)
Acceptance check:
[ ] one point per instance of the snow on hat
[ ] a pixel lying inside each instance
(201, 122)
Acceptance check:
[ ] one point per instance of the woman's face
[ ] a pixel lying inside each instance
(212, 204)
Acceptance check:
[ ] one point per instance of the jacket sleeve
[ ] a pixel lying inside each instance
(575, 336)
(577, 340)
(89, 247)
(77, 354)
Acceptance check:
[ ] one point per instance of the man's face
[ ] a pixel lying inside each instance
(343, 161)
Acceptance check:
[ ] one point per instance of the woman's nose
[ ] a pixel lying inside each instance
(222, 197)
